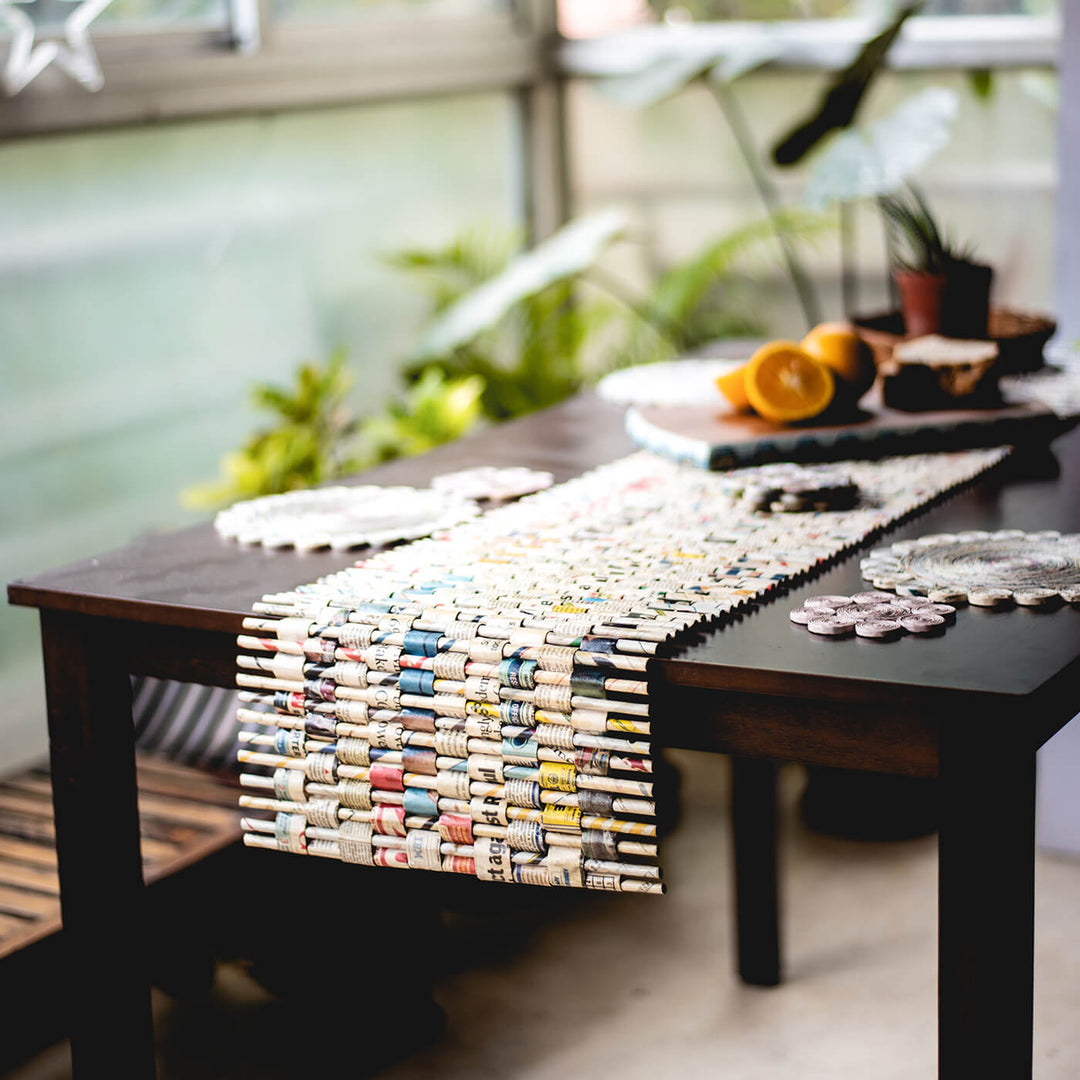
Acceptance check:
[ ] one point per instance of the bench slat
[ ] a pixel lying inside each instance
(185, 815)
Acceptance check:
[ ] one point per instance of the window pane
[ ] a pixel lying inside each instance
(677, 170)
(52, 13)
(149, 277)
(163, 11)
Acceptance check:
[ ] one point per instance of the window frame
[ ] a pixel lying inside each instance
(925, 43)
(200, 70)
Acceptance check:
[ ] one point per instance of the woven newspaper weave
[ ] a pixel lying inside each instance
(478, 703)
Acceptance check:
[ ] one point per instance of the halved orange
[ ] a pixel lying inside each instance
(839, 348)
(733, 387)
(785, 384)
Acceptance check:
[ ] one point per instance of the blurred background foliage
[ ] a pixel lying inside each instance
(510, 332)
(153, 272)
(515, 331)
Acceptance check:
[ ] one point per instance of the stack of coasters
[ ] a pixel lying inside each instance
(877, 616)
(478, 702)
(787, 488)
(985, 569)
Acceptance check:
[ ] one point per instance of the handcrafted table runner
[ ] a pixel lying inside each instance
(477, 702)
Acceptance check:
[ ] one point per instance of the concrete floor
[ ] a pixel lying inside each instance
(563, 987)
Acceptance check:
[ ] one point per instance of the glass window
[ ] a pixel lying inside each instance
(131, 13)
(149, 276)
(676, 169)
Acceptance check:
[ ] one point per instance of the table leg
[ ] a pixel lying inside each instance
(91, 740)
(986, 883)
(757, 901)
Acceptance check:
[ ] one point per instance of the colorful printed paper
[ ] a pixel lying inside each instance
(478, 702)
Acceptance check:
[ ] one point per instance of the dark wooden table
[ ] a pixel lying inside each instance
(971, 708)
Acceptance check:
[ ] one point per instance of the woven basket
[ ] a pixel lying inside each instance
(1020, 337)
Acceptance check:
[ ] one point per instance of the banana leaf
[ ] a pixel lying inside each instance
(844, 94)
(571, 250)
(877, 161)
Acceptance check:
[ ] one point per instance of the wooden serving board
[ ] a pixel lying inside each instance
(706, 436)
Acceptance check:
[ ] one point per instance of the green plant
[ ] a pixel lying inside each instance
(434, 410)
(549, 320)
(717, 67)
(916, 241)
(306, 444)
(315, 436)
(697, 300)
(511, 333)
(879, 158)
(844, 93)
(516, 323)
(875, 162)
(704, 298)
(891, 159)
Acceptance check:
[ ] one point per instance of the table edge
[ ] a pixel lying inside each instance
(669, 671)
(152, 612)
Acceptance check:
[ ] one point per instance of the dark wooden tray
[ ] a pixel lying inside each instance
(705, 436)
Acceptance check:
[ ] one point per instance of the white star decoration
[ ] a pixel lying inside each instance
(74, 54)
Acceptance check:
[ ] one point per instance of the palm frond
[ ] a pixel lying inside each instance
(472, 257)
(683, 289)
(916, 237)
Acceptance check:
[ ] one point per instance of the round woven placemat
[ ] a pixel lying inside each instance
(1010, 561)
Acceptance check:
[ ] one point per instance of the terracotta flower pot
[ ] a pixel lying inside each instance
(966, 309)
(922, 298)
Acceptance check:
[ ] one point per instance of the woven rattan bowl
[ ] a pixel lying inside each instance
(1020, 336)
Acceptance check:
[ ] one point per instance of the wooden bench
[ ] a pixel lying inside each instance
(186, 817)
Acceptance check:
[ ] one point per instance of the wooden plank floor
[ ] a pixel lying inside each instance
(185, 815)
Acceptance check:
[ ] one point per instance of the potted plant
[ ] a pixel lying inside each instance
(942, 289)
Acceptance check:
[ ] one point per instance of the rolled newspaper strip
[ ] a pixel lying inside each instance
(475, 689)
(599, 652)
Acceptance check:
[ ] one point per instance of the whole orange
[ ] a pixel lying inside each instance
(838, 347)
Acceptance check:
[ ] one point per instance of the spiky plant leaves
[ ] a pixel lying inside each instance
(916, 240)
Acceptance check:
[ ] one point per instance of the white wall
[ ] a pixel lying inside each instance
(1059, 795)
(1068, 253)
(1059, 759)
